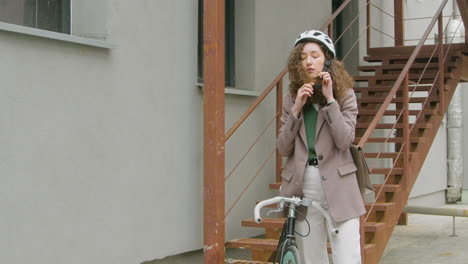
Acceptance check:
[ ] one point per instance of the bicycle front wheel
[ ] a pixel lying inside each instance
(291, 256)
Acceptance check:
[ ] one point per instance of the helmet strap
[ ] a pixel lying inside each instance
(326, 65)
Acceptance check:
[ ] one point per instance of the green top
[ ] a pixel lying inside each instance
(310, 121)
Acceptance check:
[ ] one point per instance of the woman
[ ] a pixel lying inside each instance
(318, 125)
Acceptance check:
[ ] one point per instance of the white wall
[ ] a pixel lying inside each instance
(96, 14)
(432, 178)
(101, 157)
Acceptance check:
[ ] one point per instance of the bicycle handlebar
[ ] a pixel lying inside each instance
(270, 201)
(296, 201)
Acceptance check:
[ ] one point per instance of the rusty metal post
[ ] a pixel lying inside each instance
(368, 30)
(463, 8)
(441, 65)
(213, 131)
(362, 232)
(399, 27)
(406, 135)
(279, 112)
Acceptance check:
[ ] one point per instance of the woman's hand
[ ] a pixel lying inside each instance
(303, 94)
(327, 86)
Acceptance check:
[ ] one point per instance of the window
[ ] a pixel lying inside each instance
(338, 28)
(229, 42)
(52, 15)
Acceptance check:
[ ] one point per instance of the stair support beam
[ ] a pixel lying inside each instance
(406, 136)
(213, 131)
(399, 81)
(441, 63)
(398, 22)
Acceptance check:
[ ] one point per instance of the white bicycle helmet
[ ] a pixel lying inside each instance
(318, 36)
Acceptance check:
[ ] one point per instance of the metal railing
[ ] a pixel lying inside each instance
(402, 85)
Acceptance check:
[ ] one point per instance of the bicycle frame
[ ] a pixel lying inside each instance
(287, 241)
(287, 237)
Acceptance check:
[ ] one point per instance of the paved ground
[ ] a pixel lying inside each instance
(428, 239)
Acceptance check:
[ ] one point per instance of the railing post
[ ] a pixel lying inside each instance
(279, 112)
(399, 27)
(362, 232)
(368, 19)
(441, 65)
(406, 135)
(213, 131)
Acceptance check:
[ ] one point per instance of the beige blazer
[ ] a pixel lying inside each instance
(334, 134)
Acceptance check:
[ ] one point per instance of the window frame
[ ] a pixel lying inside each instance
(26, 12)
(229, 43)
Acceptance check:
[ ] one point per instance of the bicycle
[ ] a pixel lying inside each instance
(287, 250)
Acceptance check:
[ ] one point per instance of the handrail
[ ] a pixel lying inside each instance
(404, 150)
(255, 104)
(400, 79)
(280, 76)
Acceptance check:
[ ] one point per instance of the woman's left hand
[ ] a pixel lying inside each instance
(327, 86)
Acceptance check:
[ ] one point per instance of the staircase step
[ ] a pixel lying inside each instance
(275, 186)
(391, 140)
(390, 53)
(387, 187)
(372, 227)
(386, 88)
(421, 58)
(380, 58)
(380, 211)
(397, 66)
(253, 244)
(374, 100)
(393, 171)
(379, 206)
(364, 112)
(397, 125)
(386, 155)
(393, 77)
(406, 51)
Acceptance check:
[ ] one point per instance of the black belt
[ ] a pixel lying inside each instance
(313, 162)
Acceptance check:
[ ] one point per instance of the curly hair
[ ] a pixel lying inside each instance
(342, 81)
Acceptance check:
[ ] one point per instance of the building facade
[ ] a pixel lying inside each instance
(101, 124)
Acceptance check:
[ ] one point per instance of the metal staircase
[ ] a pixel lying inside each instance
(395, 186)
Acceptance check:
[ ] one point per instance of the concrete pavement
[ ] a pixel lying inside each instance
(428, 239)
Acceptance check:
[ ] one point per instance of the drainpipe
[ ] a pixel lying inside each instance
(456, 27)
(455, 32)
(454, 148)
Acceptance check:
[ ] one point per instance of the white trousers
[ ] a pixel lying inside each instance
(346, 247)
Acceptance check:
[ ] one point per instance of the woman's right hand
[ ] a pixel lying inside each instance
(303, 94)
